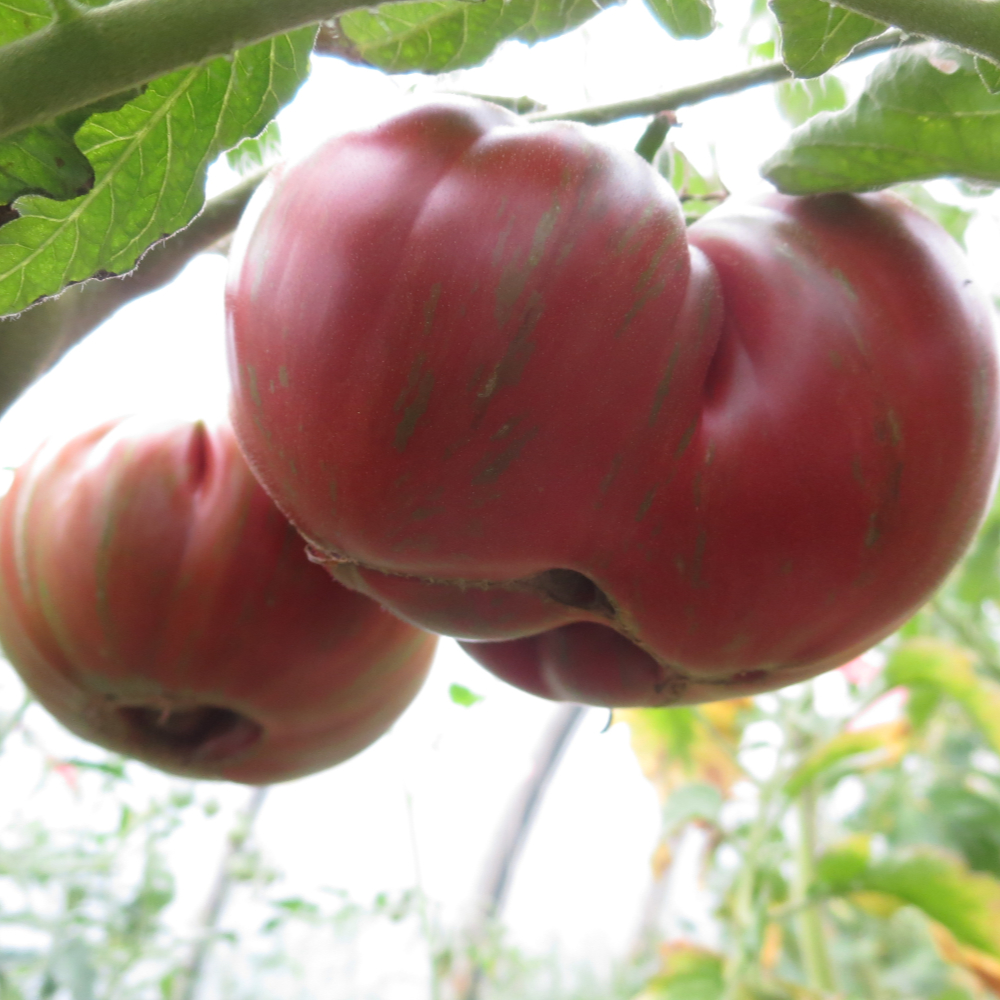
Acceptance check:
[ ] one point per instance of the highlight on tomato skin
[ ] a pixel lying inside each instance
(157, 603)
(500, 388)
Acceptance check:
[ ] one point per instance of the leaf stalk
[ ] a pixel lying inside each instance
(101, 51)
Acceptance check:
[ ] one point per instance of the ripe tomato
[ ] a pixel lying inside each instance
(495, 384)
(157, 603)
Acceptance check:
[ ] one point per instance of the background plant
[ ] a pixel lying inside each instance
(845, 833)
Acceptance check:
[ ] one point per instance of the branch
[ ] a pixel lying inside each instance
(969, 24)
(104, 50)
(499, 869)
(186, 986)
(671, 100)
(34, 340)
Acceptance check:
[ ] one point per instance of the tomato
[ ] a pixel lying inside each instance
(157, 603)
(493, 381)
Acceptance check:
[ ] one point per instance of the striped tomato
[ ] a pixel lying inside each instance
(487, 373)
(157, 603)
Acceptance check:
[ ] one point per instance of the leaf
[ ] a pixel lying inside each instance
(689, 973)
(841, 866)
(912, 122)
(43, 160)
(678, 745)
(881, 745)
(950, 217)
(984, 967)
(252, 154)
(684, 18)
(970, 822)
(22, 17)
(800, 100)
(978, 580)
(947, 670)
(815, 35)
(149, 161)
(989, 73)
(966, 903)
(690, 802)
(463, 696)
(441, 35)
(698, 194)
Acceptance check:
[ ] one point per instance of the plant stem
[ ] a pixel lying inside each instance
(744, 916)
(34, 340)
(655, 135)
(14, 720)
(970, 24)
(809, 922)
(105, 50)
(671, 100)
(186, 987)
(499, 868)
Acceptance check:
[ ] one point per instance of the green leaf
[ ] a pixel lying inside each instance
(800, 100)
(22, 17)
(978, 579)
(989, 73)
(950, 217)
(967, 903)
(149, 161)
(689, 802)
(43, 160)
(691, 973)
(839, 869)
(698, 194)
(252, 154)
(914, 121)
(684, 18)
(463, 696)
(969, 822)
(46, 160)
(815, 35)
(886, 743)
(947, 670)
(442, 35)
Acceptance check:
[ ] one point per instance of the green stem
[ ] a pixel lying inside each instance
(13, 721)
(34, 340)
(655, 135)
(671, 100)
(811, 934)
(106, 50)
(970, 24)
(744, 955)
(190, 976)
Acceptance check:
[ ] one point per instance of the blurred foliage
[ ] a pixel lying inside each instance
(858, 856)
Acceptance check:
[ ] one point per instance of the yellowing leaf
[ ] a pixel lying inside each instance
(771, 951)
(967, 903)
(948, 670)
(984, 967)
(675, 746)
(878, 904)
(882, 746)
(689, 973)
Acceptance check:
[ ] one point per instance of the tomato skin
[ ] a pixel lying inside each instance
(157, 603)
(470, 353)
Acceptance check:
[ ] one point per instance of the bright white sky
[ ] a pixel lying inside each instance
(425, 801)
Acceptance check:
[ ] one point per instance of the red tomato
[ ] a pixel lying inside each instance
(157, 603)
(488, 375)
